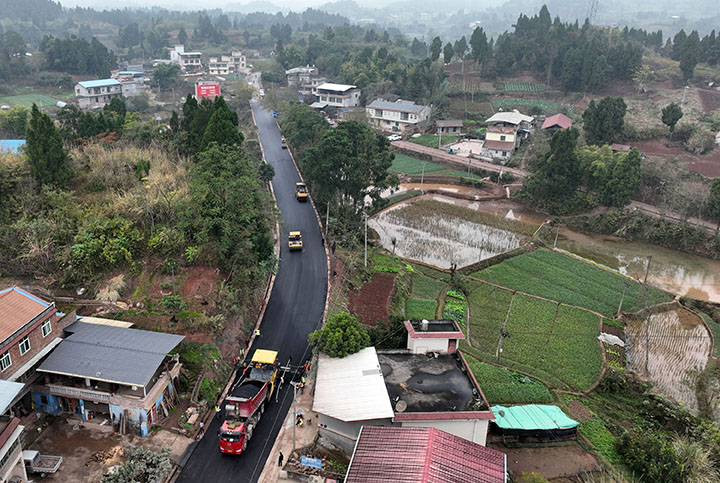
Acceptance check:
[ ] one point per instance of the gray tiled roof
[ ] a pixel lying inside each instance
(112, 354)
(402, 106)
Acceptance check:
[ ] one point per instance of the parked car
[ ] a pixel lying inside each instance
(394, 137)
(41, 463)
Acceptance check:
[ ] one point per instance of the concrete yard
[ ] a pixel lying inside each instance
(89, 449)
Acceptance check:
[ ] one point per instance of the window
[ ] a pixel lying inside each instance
(43, 399)
(24, 346)
(5, 361)
(378, 112)
(46, 328)
(404, 116)
(502, 138)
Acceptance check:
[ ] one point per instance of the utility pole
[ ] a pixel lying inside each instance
(647, 269)
(622, 299)
(555, 243)
(422, 176)
(294, 385)
(366, 223)
(327, 218)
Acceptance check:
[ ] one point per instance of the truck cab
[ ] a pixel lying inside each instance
(295, 241)
(301, 192)
(245, 404)
(283, 142)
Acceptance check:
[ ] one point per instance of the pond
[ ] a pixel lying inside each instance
(442, 231)
(674, 271)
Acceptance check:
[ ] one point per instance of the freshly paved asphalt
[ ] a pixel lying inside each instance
(295, 309)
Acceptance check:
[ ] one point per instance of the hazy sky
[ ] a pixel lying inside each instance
(206, 4)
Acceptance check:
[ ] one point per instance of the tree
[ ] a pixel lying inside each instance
(559, 173)
(479, 45)
(690, 55)
(343, 335)
(604, 121)
(165, 76)
(671, 114)
(448, 53)
(142, 466)
(625, 179)
(129, 35)
(713, 203)
(435, 49)
(460, 47)
(348, 164)
(14, 121)
(222, 126)
(182, 35)
(44, 150)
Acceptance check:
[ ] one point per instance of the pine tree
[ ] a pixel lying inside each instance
(182, 36)
(448, 53)
(46, 155)
(671, 114)
(435, 49)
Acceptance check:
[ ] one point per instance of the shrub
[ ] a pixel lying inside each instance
(651, 455)
(343, 335)
(172, 302)
(166, 241)
(701, 142)
(142, 466)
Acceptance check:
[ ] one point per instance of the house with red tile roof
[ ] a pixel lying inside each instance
(422, 455)
(558, 121)
(30, 328)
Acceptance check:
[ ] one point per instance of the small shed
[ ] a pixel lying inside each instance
(558, 121)
(533, 423)
(449, 126)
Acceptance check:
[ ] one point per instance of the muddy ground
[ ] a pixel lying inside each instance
(555, 462)
(89, 450)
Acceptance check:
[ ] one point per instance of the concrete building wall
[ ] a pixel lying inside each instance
(344, 434)
(11, 462)
(474, 430)
(422, 346)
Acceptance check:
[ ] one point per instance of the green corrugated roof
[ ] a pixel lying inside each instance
(532, 416)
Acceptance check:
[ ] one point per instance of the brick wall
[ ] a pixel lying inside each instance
(37, 341)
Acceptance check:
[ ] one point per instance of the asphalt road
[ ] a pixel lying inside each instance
(295, 309)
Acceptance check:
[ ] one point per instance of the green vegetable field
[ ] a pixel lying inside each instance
(418, 309)
(512, 86)
(548, 107)
(409, 165)
(558, 277)
(555, 342)
(501, 385)
(426, 288)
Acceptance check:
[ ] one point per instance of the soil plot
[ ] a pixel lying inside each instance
(442, 234)
(372, 302)
(679, 346)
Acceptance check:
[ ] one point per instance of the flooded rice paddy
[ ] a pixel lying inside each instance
(440, 231)
(679, 346)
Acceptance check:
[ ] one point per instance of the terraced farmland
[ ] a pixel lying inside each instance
(679, 346)
(501, 385)
(562, 278)
(515, 86)
(555, 342)
(548, 107)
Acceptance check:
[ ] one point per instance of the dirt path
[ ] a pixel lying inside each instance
(669, 215)
(460, 161)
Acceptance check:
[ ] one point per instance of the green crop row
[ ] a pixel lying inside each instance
(513, 86)
(557, 341)
(417, 309)
(454, 309)
(426, 288)
(501, 385)
(548, 107)
(558, 277)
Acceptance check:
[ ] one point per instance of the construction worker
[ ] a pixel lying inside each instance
(302, 385)
(257, 332)
(217, 411)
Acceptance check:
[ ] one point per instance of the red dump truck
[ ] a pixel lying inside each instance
(246, 401)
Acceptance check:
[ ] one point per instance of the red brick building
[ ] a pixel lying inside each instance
(30, 328)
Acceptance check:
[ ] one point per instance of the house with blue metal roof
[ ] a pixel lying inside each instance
(97, 93)
(125, 376)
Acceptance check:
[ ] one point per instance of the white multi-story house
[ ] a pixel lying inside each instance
(191, 60)
(298, 76)
(500, 142)
(338, 95)
(227, 64)
(97, 93)
(396, 116)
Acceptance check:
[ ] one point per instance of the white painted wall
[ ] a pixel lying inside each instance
(423, 346)
(474, 430)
